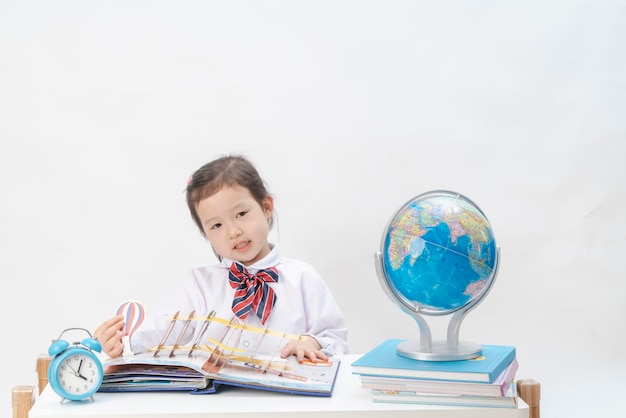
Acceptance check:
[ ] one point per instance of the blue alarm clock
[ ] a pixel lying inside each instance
(75, 371)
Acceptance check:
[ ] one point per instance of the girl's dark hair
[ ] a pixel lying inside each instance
(231, 170)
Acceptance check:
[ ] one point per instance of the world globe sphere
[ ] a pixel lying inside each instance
(438, 253)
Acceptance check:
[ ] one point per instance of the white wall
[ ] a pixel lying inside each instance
(349, 108)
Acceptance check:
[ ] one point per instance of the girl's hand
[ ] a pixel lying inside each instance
(109, 334)
(305, 347)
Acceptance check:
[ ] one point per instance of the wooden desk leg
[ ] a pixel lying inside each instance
(23, 399)
(530, 391)
(24, 396)
(43, 362)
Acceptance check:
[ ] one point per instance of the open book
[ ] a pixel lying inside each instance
(203, 374)
(204, 366)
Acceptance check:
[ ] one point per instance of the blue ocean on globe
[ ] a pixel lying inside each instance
(439, 251)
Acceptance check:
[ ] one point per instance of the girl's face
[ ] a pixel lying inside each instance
(236, 225)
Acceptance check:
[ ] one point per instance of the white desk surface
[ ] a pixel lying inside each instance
(349, 400)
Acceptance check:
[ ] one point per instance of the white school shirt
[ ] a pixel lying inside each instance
(304, 305)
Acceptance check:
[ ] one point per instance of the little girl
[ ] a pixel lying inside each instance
(233, 210)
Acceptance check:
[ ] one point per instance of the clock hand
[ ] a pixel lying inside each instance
(77, 374)
(78, 371)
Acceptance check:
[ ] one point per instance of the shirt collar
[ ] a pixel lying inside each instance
(270, 260)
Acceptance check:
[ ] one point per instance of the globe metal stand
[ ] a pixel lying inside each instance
(427, 349)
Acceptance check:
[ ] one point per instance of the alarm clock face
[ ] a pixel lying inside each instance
(76, 374)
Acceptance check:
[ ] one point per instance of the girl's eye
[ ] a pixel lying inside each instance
(241, 214)
(216, 226)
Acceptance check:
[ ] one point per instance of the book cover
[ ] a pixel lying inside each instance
(383, 360)
(509, 400)
(499, 387)
(203, 373)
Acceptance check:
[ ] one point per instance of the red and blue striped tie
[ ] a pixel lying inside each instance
(252, 292)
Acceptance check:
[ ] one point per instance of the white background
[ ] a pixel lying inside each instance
(348, 108)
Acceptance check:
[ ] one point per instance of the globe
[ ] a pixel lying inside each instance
(438, 256)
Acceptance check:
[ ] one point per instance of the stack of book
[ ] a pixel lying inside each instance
(487, 381)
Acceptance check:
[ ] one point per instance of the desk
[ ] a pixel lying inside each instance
(349, 400)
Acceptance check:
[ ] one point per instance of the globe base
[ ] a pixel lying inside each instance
(439, 351)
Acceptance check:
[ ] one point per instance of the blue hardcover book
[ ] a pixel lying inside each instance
(385, 361)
